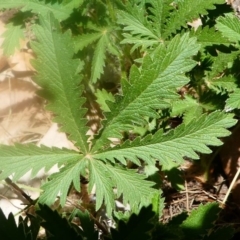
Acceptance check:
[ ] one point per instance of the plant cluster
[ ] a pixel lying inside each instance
(141, 64)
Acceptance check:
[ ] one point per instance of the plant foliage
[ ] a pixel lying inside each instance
(162, 68)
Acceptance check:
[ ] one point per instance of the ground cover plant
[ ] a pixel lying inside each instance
(162, 91)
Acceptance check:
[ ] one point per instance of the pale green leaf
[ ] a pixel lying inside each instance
(12, 37)
(233, 101)
(150, 87)
(229, 26)
(59, 10)
(20, 159)
(58, 76)
(183, 141)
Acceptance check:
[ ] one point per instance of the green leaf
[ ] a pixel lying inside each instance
(56, 225)
(174, 175)
(87, 225)
(59, 10)
(233, 101)
(99, 56)
(131, 185)
(221, 63)
(144, 23)
(137, 227)
(223, 85)
(20, 159)
(150, 87)
(102, 97)
(84, 40)
(58, 76)
(12, 37)
(10, 230)
(60, 182)
(174, 145)
(187, 11)
(209, 36)
(200, 221)
(189, 107)
(229, 26)
(105, 43)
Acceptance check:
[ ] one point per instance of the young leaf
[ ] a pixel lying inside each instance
(200, 221)
(150, 87)
(58, 76)
(12, 37)
(104, 37)
(20, 159)
(173, 146)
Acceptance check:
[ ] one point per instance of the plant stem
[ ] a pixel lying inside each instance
(231, 185)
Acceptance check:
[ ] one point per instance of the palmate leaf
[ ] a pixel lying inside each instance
(187, 11)
(153, 86)
(60, 11)
(104, 43)
(20, 159)
(173, 146)
(12, 37)
(58, 76)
